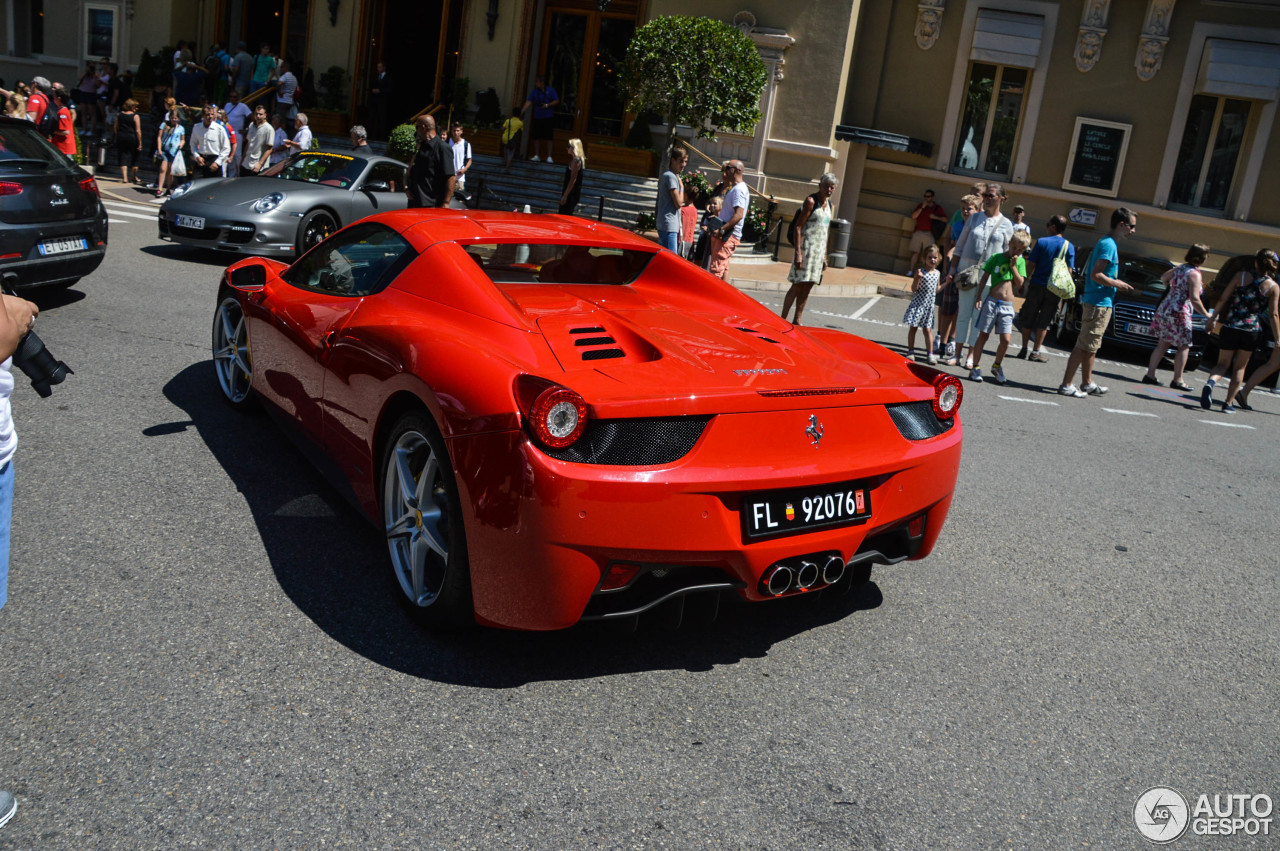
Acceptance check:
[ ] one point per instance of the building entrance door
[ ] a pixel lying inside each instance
(418, 40)
(582, 53)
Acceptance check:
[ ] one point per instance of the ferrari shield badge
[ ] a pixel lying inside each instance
(814, 430)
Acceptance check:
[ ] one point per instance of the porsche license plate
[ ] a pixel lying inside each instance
(62, 246)
(196, 222)
(805, 509)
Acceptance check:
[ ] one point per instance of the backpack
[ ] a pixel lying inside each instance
(793, 233)
(49, 121)
(1061, 283)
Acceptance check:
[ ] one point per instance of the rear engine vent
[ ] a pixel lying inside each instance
(814, 391)
(595, 341)
(603, 354)
(916, 420)
(637, 441)
(594, 329)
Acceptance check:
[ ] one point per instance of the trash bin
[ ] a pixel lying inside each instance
(838, 241)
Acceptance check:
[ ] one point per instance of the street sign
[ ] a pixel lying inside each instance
(1083, 216)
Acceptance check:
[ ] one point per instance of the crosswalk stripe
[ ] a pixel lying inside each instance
(148, 215)
(1029, 401)
(1131, 413)
(1228, 425)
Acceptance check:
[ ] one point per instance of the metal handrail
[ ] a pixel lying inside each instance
(750, 188)
(250, 98)
(428, 110)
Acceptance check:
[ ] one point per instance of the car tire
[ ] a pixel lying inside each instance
(314, 228)
(427, 548)
(231, 361)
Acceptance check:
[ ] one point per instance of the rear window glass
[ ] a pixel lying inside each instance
(23, 149)
(525, 263)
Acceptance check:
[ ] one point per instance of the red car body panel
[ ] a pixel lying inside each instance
(541, 532)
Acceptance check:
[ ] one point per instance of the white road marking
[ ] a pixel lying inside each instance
(1131, 413)
(1029, 401)
(128, 206)
(1228, 425)
(871, 302)
(129, 210)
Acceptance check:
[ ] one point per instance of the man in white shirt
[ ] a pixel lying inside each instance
(737, 198)
(210, 145)
(238, 117)
(286, 94)
(301, 140)
(461, 157)
(258, 139)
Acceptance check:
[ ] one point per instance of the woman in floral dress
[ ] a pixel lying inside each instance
(1172, 322)
(812, 223)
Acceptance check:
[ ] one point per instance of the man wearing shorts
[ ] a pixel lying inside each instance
(926, 213)
(734, 209)
(1006, 272)
(1040, 304)
(543, 99)
(1100, 288)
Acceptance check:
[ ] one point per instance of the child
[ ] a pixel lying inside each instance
(710, 222)
(511, 136)
(1006, 272)
(919, 313)
(688, 220)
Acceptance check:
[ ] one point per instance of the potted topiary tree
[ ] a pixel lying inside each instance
(330, 116)
(402, 143)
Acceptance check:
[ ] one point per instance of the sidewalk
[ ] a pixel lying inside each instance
(850, 282)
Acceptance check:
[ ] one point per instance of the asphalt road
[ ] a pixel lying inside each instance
(202, 648)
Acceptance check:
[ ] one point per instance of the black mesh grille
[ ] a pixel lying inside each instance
(603, 354)
(916, 420)
(634, 442)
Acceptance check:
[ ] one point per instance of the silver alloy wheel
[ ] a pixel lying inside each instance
(415, 516)
(318, 227)
(231, 351)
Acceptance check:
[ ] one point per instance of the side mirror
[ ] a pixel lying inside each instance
(376, 186)
(252, 276)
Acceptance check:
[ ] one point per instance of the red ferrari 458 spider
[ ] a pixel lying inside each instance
(554, 420)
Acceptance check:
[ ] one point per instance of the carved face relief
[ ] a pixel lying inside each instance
(928, 27)
(1088, 49)
(1150, 56)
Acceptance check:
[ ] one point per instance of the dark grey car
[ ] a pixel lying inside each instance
(286, 209)
(53, 227)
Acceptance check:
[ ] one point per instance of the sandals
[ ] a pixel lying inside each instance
(1180, 385)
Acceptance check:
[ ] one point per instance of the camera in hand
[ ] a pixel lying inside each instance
(39, 364)
(35, 360)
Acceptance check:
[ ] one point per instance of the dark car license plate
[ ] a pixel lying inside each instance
(804, 509)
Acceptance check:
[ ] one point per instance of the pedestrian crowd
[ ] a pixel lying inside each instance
(973, 265)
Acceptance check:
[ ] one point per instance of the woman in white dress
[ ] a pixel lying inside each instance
(811, 225)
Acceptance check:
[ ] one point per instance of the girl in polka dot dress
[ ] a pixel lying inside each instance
(920, 312)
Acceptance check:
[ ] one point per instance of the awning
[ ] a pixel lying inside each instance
(883, 139)
(1239, 69)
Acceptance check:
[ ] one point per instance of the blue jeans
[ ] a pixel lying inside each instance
(669, 239)
(6, 517)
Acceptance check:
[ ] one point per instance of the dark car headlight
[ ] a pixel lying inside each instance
(181, 190)
(267, 203)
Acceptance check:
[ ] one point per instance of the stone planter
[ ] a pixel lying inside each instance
(327, 122)
(487, 142)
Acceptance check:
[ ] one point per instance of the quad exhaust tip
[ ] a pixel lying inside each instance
(778, 579)
(833, 570)
(806, 575)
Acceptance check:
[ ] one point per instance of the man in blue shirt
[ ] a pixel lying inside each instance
(1100, 286)
(1040, 304)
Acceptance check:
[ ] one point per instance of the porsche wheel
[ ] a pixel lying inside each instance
(231, 353)
(315, 227)
(422, 517)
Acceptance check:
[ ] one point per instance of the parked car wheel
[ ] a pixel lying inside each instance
(314, 228)
(231, 354)
(422, 517)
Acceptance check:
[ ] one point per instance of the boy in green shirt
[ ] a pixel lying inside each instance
(1006, 272)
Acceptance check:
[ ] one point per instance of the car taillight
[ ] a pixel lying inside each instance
(947, 395)
(558, 417)
(90, 185)
(7, 188)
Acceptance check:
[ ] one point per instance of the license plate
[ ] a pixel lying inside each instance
(62, 246)
(196, 222)
(804, 509)
(1141, 328)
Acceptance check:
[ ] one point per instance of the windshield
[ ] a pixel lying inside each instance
(1144, 273)
(24, 149)
(318, 167)
(525, 263)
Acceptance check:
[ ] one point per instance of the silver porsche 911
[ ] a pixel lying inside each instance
(288, 208)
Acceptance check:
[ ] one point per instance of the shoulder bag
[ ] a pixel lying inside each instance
(971, 276)
(1061, 283)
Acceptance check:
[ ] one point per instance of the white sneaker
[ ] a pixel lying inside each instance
(534, 160)
(975, 374)
(1070, 390)
(968, 362)
(1094, 389)
(997, 372)
(933, 358)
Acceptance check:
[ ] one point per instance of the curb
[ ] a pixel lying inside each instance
(823, 290)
